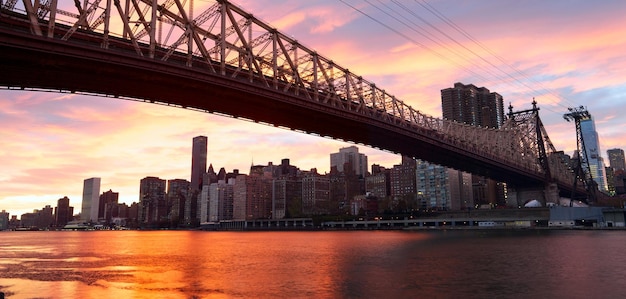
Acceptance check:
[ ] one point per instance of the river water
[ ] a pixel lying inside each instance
(337, 264)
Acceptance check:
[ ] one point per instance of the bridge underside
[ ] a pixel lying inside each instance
(37, 62)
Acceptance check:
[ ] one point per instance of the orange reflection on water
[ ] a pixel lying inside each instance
(186, 264)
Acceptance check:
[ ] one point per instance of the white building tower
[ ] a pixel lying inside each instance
(91, 198)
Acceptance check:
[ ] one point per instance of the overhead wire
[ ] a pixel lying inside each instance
(508, 78)
(407, 9)
(425, 33)
(487, 62)
(396, 31)
(452, 24)
(486, 68)
(483, 59)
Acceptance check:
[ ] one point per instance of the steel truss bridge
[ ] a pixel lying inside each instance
(226, 61)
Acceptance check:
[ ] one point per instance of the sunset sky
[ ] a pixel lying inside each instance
(562, 53)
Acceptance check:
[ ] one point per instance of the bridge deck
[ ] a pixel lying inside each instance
(83, 65)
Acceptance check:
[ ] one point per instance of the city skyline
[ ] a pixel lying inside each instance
(90, 185)
(573, 49)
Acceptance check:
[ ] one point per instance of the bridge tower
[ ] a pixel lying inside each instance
(537, 138)
(582, 168)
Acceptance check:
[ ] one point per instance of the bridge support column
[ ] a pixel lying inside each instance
(552, 193)
(518, 197)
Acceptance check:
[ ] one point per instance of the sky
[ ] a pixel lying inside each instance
(561, 53)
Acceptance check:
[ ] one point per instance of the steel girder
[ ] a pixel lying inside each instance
(226, 40)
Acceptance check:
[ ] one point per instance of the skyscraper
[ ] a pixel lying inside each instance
(198, 162)
(91, 196)
(349, 156)
(472, 105)
(592, 146)
(4, 220)
(153, 206)
(476, 106)
(177, 195)
(616, 159)
(107, 200)
(63, 212)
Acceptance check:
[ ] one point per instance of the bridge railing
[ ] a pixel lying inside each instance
(224, 39)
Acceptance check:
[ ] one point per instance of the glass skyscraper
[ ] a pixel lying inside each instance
(592, 147)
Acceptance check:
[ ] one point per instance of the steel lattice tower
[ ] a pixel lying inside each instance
(582, 169)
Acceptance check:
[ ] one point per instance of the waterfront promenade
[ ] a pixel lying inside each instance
(555, 217)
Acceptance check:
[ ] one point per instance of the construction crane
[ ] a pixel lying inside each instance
(582, 168)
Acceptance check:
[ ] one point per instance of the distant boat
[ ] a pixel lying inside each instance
(32, 228)
(76, 226)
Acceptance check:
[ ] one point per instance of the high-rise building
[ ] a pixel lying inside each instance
(378, 184)
(199, 179)
(315, 192)
(433, 189)
(252, 197)
(210, 176)
(177, 194)
(476, 106)
(133, 213)
(240, 193)
(117, 214)
(615, 173)
(29, 219)
(45, 217)
(63, 213)
(198, 162)
(286, 197)
(4, 220)
(91, 197)
(403, 180)
(440, 187)
(616, 159)
(107, 200)
(461, 190)
(592, 146)
(473, 105)
(153, 205)
(349, 156)
(203, 205)
(221, 200)
(344, 186)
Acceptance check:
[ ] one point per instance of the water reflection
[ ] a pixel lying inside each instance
(190, 264)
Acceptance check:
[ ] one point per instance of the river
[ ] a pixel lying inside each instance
(337, 264)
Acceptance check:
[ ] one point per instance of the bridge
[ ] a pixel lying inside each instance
(228, 62)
